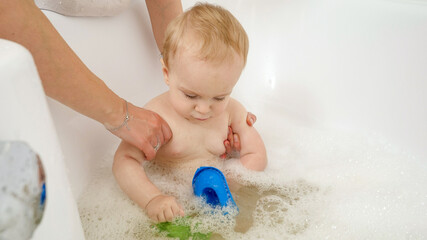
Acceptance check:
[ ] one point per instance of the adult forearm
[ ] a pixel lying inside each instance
(161, 13)
(64, 76)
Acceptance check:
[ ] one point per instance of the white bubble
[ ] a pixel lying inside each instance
(318, 185)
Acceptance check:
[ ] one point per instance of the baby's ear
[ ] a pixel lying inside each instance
(165, 71)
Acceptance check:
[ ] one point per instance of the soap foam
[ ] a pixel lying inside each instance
(318, 185)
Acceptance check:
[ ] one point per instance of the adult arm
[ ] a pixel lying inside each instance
(64, 76)
(66, 79)
(161, 13)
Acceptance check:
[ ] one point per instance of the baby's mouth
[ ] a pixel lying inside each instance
(201, 119)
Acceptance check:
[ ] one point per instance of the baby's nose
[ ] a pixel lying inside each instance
(203, 108)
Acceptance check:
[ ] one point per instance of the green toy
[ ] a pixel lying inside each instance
(181, 229)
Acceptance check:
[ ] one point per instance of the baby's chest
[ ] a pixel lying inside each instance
(197, 141)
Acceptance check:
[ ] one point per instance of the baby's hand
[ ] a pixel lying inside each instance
(163, 208)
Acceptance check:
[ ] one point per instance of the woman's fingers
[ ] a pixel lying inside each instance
(250, 119)
(166, 132)
(232, 143)
(236, 145)
(230, 136)
(144, 129)
(148, 150)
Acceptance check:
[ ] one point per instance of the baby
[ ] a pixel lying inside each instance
(204, 53)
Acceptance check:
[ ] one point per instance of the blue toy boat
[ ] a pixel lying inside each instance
(210, 184)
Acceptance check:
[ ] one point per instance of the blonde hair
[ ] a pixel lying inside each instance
(215, 28)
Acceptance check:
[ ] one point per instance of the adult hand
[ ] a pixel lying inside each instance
(145, 129)
(232, 143)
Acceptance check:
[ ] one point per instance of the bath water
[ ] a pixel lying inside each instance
(319, 184)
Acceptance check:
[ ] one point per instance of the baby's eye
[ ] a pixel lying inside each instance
(190, 96)
(219, 98)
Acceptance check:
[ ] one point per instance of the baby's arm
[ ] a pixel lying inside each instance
(252, 154)
(130, 175)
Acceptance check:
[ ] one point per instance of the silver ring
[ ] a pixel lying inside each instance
(157, 146)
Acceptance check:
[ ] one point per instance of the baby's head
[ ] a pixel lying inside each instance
(204, 53)
(215, 31)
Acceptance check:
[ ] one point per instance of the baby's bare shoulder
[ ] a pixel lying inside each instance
(157, 104)
(234, 106)
(237, 112)
(162, 106)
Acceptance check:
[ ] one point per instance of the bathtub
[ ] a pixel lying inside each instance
(356, 69)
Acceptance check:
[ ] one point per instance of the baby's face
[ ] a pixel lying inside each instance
(199, 89)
